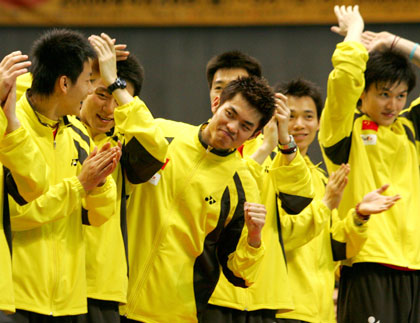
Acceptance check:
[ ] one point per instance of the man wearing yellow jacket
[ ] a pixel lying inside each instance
(49, 254)
(311, 263)
(189, 217)
(107, 276)
(361, 124)
(17, 151)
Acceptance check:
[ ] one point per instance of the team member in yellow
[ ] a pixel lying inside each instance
(106, 258)
(311, 263)
(49, 252)
(361, 124)
(17, 151)
(189, 217)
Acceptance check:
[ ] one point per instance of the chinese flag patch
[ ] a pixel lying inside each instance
(369, 125)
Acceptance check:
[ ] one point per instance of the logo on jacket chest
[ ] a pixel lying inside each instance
(210, 200)
(369, 139)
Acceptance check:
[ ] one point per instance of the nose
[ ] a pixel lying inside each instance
(109, 106)
(232, 126)
(299, 123)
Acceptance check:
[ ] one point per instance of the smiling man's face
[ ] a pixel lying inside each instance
(98, 108)
(304, 122)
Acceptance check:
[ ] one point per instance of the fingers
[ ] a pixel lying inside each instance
(255, 213)
(382, 189)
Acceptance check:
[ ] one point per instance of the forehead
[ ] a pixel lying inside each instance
(243, 110)
(301, 104)
(226, 75)
(397, 87)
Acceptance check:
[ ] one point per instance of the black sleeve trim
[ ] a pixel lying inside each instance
(339, 153)
(11, 187)
(123, 218)
(82, 135)
(338, 249)
(138, 163)
(230, 236)
(414, 116)
(206, 266)
(409, 134)
(293, 204)
(85, 217)
(280, 233)
(82, 154)
(7, 228)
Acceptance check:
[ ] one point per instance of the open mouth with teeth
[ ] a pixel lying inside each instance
(105, 119)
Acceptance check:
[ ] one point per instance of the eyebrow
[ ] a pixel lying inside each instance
(388, 89)
(249, 123)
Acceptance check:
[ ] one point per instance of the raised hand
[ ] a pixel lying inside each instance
(350, 22)
(335, 187)
(11, 67)
(254, 220)
(105, 49)
(120, 52)
(9, 109)
(282, 115)
(378, 41)
(374, 202)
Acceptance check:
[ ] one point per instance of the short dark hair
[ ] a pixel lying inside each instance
(56, 53)
(256, 91)
(389, 67)
(232, 59)
(300, 88)
(131, 71)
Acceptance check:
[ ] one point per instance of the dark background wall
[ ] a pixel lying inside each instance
(175, 58)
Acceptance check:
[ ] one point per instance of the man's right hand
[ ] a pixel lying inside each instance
(98, 166)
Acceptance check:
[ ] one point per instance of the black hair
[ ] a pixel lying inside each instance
(56, 53)
(256, 91)
(131, 71)
(232, 59)
(300, 88)
(389, 67)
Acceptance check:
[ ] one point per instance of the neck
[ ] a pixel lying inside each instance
(303, 151)
(46, 105)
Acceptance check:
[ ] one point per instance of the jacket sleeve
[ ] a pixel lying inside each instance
(100, 204)
(59, 201)
(17, 151)
(299, 229)
(345, 85)
(347, 238)
(145, 146)
(292, 182)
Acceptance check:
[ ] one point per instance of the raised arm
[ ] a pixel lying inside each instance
(385, 40)
(345, 86)
(144, 147)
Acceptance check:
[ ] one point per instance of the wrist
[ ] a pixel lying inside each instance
(288, 148)
(254, 240)
(358, 217)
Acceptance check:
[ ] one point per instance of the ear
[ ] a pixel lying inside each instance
(215, 104)
(63, 83)
(362, 98)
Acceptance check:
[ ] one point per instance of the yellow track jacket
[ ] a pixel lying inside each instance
(377, 155)
(106, 245)
(49, 252)
(183, 224)
(290, 184)
(313, 239)
(17, 151)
